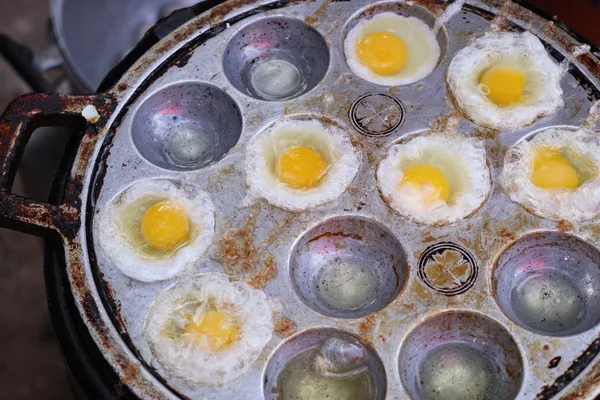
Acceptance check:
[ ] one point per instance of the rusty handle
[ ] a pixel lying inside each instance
(20, 119)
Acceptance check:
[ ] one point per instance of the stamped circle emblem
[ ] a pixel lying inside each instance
(376, 114)
(447, 268)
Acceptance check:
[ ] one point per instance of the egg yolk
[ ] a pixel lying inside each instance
(301, 167)
(503, 84)
(552, 171)
(216, 330)
(382, 52)
(430, 181)
(165, 226)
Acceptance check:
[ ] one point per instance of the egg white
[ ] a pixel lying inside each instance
(463, 162)
(127, 258)
(423, 50)
(574, 205)
(542, 80)
(182, 358)
(330, 141)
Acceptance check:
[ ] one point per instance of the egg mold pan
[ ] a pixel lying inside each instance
(418, 309)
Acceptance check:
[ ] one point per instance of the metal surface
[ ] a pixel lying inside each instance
(460, 355)
(94, 36)
(276, 59)
(253, 232)
(348, 267)
(186, 126)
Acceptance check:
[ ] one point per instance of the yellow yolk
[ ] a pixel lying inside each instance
(216, 330)
(552, 171)
(503, 84)
(382, 52)
(301, 167)
(429, 180)
(165, 226)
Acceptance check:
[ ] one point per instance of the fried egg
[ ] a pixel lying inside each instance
(208, 330)
(555, 174)
(155, 228)
(505, 81)
(391, 49)
(298, 164)
(435, 179)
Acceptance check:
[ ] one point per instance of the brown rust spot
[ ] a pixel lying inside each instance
(236, 251)
(565, 226)
(310, 19)
(506, 234)
(421, 292)
(366, 327)
(446, 123)
(241, 259)
(284, 327)
(265, 273)
(335, 235)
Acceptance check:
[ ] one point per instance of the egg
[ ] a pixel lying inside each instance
(298, 164)
(555, 174)
(155, 228)
(208, 330)
(391, 49)
(505, 81)
(435, 179)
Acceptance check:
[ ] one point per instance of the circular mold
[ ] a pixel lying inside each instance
(376, 114)
(460, 355)
(447, 268)
(348, 267)
(186, 126)
(549, 283)
(298, 353)
(276, 58)
(400, 8)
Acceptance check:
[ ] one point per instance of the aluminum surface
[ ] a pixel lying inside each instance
(274, 232)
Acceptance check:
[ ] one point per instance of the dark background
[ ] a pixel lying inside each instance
(30, 363)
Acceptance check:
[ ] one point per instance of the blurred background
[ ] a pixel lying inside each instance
(30, 362)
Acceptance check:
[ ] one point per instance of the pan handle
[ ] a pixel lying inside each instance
(22, 116)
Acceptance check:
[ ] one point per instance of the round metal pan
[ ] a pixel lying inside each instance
(191, 58)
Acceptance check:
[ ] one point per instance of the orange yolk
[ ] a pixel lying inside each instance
(165, 226)
(503, 84)
(430, 182)
(301, 167)
(382, 52)
(552, 171)
(215, 330)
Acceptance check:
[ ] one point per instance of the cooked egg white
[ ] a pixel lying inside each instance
(391, 50)
(505, 81)
(435, 179)
(208, 330)
(155, 228)
(555, 174)
(298, 164)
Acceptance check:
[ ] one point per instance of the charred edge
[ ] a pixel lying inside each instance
(109, 297)
(554, 362)
(572, 372)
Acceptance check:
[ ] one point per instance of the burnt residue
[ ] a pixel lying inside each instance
(241, 259)
(554, 362)
(574, 370)
(335, 235)
(284, 327)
